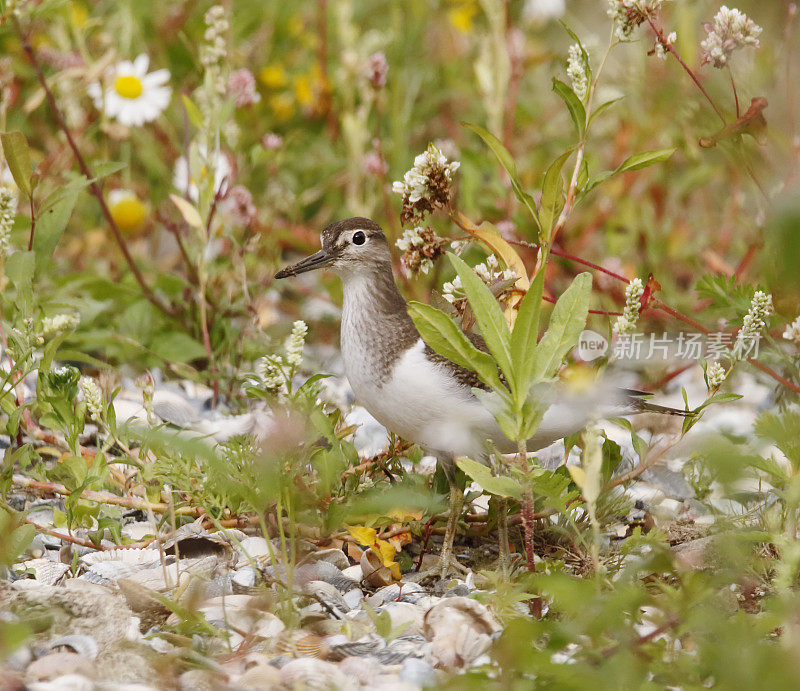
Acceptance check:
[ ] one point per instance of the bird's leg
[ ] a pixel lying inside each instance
(456, 504)
(502, 535)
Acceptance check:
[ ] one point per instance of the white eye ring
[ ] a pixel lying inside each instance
(359, 237)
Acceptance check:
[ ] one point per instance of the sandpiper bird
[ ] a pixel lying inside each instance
(403, 383)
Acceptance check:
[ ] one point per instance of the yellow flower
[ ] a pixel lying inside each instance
(127, 210)
(272, 76)
(461, 17)
(78, 14)
(303, 90)
(282, 105)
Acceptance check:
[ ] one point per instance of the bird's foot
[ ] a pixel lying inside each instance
(448, 564)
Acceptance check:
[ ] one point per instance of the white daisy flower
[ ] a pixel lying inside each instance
(185, 183)
(131, 95)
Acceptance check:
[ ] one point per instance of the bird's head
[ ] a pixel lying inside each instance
(352, 246)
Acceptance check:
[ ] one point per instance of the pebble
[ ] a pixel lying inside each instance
(417, 672)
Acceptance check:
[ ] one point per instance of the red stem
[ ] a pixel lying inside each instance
(93, 186)
(670, 49)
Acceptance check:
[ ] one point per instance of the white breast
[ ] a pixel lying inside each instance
(421, 402)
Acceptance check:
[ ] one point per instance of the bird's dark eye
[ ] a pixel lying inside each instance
(359, 238)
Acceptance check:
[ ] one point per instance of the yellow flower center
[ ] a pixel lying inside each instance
(128, 86)
(129, 213)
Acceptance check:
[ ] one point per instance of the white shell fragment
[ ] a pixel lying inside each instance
(460, 630)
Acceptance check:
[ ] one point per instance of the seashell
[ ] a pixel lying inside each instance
(403, 591)
(252, 547)
(361, 670)
(324, 571)
(363, 647)
(45, 571)
(139, 530)
(244, 579)
(260, 676)
(194, 541)
(401, 649)
(301, 643)
(417, 672)
(406, 619)
(313, 675)
(453, 612)
(268, 626)
(353, 551)
(460, 631)
(353, 572)
(174, 408)
(353, 598)
(459, 648)
(332, 556)
(375, 573)
(328, 594)
(76, 643)
(140, 557)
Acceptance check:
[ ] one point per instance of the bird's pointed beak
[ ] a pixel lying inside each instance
(315, 261)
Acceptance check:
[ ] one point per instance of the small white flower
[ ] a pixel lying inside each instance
(626, 324)
(58, 323)
(428, 182)
(131, 95)
(183, 181)
(754, 322)
(730, 31)
(269, 371)
(792, 332)
(8, 212)
(93, 396)
(661, 48)
(576, 71)
(715, 375)
(628, 14)
(489, 272)
(295, 343)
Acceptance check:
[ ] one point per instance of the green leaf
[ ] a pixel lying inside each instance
(498, 402)
(442, 334)
(195, 117)
(576, 110)
(507, 161)
(645, 159)
(53, 218)
(782, 430)
(525, 335)
(177, 347)
(18, 158)
(635, 162)
(19, 268)
(106, 168)
(501, 486)
(566, 323)
(18, 541)
(488, 314)
(551, 193)
(603, 107)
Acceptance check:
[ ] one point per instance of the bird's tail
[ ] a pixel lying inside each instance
(639, 404)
